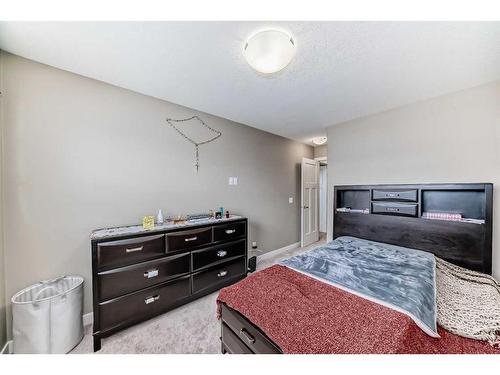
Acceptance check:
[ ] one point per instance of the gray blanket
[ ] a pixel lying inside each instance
(396, 277)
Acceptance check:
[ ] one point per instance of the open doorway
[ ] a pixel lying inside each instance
(321, 156)
(323, 188)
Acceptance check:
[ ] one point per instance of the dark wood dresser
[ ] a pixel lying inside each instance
(138, 276)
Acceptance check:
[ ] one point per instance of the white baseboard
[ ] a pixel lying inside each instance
(88, 319)
(7, 349)
(278, 251)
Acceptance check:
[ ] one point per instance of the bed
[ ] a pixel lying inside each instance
(291, 308)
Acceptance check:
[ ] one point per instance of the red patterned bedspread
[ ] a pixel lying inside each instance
(303, 315)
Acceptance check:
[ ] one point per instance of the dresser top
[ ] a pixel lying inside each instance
(105, 233)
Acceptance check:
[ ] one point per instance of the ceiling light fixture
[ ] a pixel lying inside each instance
(319, 141)
(269, 51)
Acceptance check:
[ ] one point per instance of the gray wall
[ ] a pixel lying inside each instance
(320, 151)
(3, 304)
(3, 321)
(3, 328)
(80, 154)
(453, 138)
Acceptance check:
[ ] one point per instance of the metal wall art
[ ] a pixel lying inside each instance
(196, 144)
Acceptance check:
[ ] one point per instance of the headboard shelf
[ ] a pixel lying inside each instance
(468, 203)
(357, 199)
(428, 217)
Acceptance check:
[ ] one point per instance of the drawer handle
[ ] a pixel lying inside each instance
(134, 249)
(247, 336)
(230, 231)
(392, 209)
(150, 274)
(221, 273)
(191, 239)
(151, 299)
(391, 195)
(221, 253)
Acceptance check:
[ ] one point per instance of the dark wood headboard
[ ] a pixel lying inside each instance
(396, 214)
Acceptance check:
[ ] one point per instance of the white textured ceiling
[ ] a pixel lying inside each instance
(341, 71)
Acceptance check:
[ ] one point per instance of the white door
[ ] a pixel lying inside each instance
(310, 202)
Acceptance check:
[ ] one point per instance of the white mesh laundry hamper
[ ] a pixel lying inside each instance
(47, 317)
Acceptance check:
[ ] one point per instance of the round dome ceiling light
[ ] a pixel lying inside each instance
(269, 51)
(319, 141)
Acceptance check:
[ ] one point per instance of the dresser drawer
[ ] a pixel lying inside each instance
(124, 252)
(218, 275)
(143, 304)
(229, 231)
(247, 333)
(409, 195)
(208, 257)
(401, 209)
(188, 239)
(116, 282)
(232, 343)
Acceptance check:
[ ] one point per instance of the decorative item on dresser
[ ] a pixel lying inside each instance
(138, 274)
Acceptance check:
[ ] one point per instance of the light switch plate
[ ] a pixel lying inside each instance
(290, 200)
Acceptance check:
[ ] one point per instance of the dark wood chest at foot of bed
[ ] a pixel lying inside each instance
(239, 336)
(136, 277)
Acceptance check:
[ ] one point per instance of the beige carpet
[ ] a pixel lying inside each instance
(192, 328)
